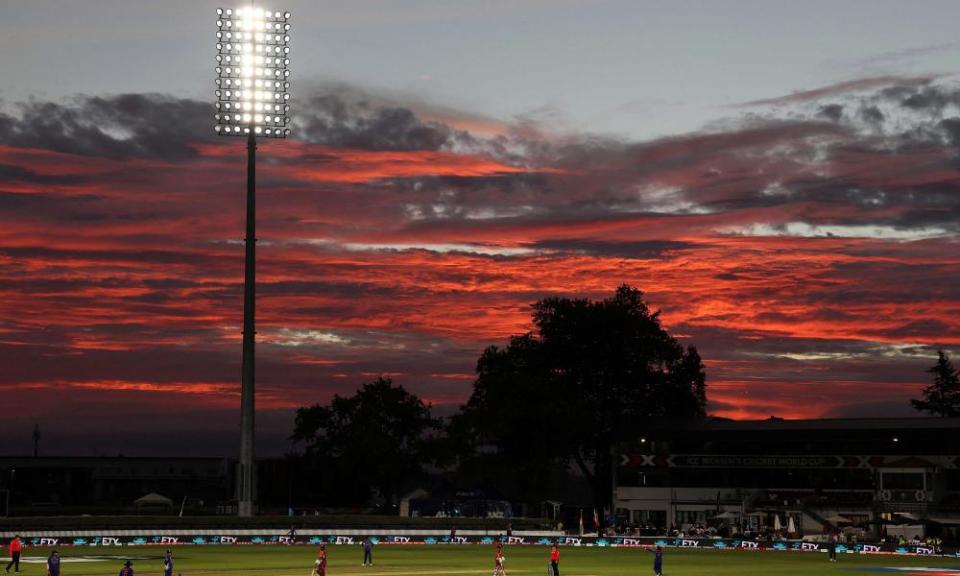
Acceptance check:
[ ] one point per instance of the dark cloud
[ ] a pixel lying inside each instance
(832, 112)
(917, 329)
(111, 256)
(951, 126)
(337, 121)
(164, 127)
(20, 175)
(644, 250)
(902, 206)
(930, 98)
(123, 126)
(888, 83)
(871, 115)
(934, 109)
(899, 113)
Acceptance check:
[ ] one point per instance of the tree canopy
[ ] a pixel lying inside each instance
(591, 375)
(942, 397)
(369, 442)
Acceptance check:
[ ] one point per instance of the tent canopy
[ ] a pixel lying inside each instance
(153, 499)
(725, 516)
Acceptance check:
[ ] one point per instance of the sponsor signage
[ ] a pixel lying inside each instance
(758, 461)
(114, 540)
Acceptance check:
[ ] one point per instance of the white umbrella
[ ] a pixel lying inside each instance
(791, 527)
(776, 523)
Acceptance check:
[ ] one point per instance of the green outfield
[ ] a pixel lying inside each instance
(469, 559)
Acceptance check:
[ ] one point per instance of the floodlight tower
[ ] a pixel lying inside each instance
(253, 73)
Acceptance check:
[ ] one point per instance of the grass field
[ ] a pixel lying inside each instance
(467, 560)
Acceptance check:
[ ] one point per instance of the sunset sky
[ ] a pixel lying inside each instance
(781, 179)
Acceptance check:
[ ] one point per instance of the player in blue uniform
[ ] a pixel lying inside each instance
(367, 551)
(168, 563)
(127, 569)
(658, 561)
(53, 564)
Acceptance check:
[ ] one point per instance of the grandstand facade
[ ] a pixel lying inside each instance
(41, 485)
(874, 476)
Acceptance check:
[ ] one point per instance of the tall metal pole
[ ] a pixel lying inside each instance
(252, 94)
(247, 473)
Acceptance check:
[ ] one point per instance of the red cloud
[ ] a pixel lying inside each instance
(121, 280)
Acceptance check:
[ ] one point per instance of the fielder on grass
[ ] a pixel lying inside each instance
(320, 566)
(498, 569)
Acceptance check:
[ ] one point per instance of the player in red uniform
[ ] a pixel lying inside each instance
(555, 560)
(498, 569)
(320, 566)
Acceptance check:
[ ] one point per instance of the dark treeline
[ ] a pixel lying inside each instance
(590, 375)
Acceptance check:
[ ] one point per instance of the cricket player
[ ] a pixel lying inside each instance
(53, 564)
(320, 566)
(498, 569)
(555, 560)
(168, 563)
(367, 551)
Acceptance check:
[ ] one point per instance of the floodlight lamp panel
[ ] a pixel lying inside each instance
(252, 72)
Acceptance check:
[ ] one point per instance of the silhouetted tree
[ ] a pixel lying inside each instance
(370, 441)
(943, 396)
(592, 375)
(512, 432)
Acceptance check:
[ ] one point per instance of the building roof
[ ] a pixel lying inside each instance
(775, 424)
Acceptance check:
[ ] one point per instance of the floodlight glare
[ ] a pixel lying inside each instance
(244, 58)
